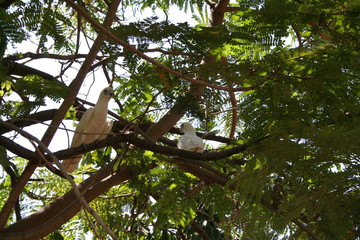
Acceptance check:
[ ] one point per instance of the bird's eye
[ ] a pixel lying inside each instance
(105, 91)
(182, 125)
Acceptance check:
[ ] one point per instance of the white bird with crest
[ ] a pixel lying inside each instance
(190, 141)
(92, 126)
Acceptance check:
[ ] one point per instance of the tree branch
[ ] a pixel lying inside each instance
(13, 180)
(30, 120)
(49, 55)
(18, 150)
(67, 176)
(132, 49)
(76, 84)
(211, 177)
(200, 231)
(234, 115)
(14, 194)
(49, 218)
(146, 145)
(14, 68)
(298, 35)
(218, 12)
(66, 104)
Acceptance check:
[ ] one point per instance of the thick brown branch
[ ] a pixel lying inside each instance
(207, 156)
(146, 145)
(18, 149)
(30, 120)
(234, 115)
(52, 216)
(13, 178)
(217, 12)
(14, 68)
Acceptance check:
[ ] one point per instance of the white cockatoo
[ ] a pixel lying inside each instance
(190, 141)
(94, 124)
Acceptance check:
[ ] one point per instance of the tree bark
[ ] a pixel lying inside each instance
(52, 216)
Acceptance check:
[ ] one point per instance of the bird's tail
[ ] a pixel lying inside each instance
(72, 163)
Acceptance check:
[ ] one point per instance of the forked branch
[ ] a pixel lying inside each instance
(76, 190)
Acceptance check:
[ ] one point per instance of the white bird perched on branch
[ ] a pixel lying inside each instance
(190, 141)
(92, 126)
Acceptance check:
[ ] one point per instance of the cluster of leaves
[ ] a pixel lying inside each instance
(313, 149)
(32, 90)
(25, 17)
(17, 24)
(165, 5)
(306, 113)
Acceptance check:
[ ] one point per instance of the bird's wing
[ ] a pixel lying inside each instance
(72, 163)
(188, 142)
(82, 126)
(106, 130)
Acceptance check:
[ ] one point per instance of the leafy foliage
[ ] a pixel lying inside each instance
(294, 103)
(32, 90)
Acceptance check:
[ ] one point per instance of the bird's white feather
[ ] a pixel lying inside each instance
(92, 126)
(190, 141)
(106, 130)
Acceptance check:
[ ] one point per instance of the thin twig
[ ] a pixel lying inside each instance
(49, 55)
(141, 116)
(118, 196)
(199, 230)
(42, 156)
(15, 192)
(92, 225)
